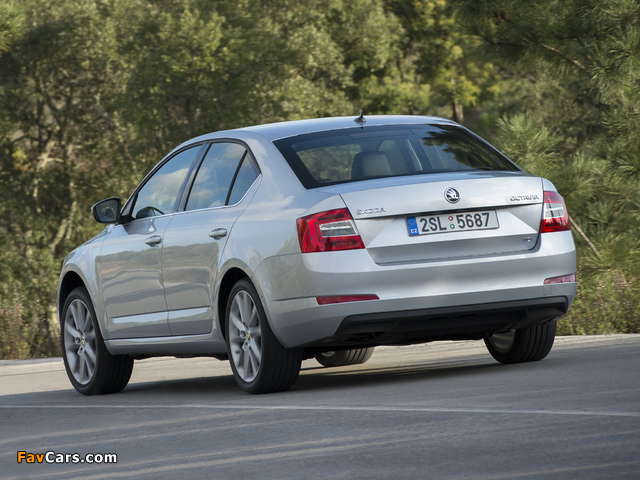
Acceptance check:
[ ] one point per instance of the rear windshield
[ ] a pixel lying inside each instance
(353, 154)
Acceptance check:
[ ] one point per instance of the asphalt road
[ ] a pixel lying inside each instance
(443, 410)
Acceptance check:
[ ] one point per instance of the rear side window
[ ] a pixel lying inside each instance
(247, 174)
(225, 175)
(349, 155)
(214, 177)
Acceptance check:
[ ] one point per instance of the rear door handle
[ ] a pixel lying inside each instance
(154, 240)
(218, 233)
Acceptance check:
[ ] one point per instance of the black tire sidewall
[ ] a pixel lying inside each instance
(275, 361)
(529, 344)
(341, 358)
(82, 295)
(111, 372)
(245, 286)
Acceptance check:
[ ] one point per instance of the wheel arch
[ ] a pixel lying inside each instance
(231, 277)
(68, 284)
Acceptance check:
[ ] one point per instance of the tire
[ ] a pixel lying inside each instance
(259, 362)
(89, 365)
(343, 358)
(523, 345)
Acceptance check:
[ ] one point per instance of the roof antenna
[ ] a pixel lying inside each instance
(361, 118)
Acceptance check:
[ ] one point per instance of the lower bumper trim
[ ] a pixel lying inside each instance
(467, 322)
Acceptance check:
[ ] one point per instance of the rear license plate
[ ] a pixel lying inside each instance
(452, 222)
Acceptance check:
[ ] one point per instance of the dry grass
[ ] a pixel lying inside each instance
(25, 331)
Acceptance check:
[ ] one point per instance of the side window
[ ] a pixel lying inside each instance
(213, 180)
(159, 195)
(246, 176)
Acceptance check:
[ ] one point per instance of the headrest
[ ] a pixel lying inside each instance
(370, 164)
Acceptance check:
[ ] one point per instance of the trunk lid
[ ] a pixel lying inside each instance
(463, 226)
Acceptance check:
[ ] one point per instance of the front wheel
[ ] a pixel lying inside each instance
(259, 362)
(89, 365)
(522, 345)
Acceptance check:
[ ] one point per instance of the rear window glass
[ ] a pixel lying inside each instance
(349, 155)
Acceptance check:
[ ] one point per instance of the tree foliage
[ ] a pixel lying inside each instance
(576, 121)
(95, 92)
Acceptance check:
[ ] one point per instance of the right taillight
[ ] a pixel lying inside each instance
(328, 231)
(561, 279)
(555, 217)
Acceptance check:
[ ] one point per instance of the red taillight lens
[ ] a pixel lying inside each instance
(328, 231)
(555, 217)
(345, 299)
(562, 279)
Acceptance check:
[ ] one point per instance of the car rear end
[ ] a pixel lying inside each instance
(425, 232)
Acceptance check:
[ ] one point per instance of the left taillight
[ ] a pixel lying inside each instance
(555, 217)
(328, 231)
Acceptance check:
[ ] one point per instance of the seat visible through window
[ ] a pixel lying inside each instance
(370, 165)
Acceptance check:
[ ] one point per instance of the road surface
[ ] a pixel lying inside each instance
(443, 410)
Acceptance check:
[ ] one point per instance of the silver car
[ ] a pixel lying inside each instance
(320, 238)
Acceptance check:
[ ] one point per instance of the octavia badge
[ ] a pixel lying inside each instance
(452, 195)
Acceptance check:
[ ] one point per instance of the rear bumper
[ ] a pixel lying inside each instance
(462, 298)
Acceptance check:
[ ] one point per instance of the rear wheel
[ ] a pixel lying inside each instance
(89, 365)
(343, 358)
(522, 345)
(259, 362)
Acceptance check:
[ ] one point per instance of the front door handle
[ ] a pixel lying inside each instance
(218, 233)
(154, 240)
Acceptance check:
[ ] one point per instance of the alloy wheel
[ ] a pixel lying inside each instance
(80, 342)
(245, 336)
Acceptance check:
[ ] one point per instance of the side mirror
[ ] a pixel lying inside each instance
(107, 211)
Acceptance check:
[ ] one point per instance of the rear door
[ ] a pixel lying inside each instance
(196, 237)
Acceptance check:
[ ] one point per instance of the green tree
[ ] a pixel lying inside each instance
(96, 91)
(576, 80)
(438, 56)
(12, 25)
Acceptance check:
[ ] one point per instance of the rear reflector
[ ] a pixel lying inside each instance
(345, 299)
(562, 279)
(328, 231)
(555, 217)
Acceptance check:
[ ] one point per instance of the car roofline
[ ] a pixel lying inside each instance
(280, 130)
